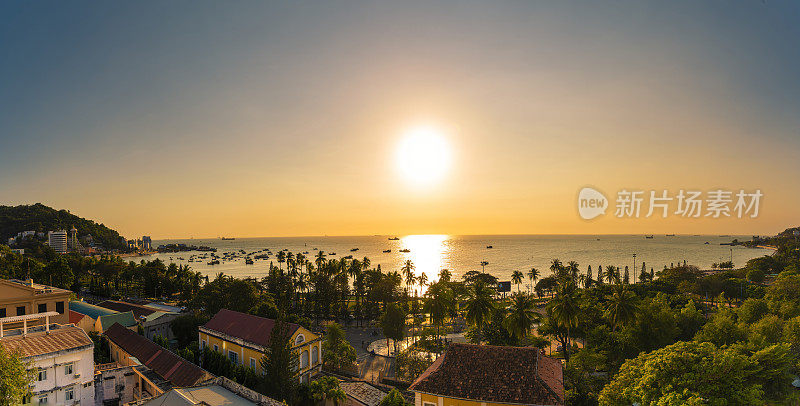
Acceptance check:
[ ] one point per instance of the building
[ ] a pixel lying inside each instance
(154, 322)
(89, 311)
(62, 357)
(114, 384)
(362, 394)
(147, 243)
(124, 319)
(19, 298)
(157, 369)
(216, 392)
(57, 240)
(244, 339)
(485, 375)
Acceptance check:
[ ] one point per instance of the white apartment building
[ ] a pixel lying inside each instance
(61, 356)
(57, 241)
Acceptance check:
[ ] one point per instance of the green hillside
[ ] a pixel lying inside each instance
(40, 218)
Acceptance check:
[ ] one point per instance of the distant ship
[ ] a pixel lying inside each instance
(670, 235)
(405, 250)
(393, 238)
(649, 237)
(228, 238)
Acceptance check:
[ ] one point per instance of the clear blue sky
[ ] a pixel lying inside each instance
(182, 118)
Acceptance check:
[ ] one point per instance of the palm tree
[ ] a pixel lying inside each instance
(556, 267)
(521, 316)
(612, 274)
(445, 275)
(320, 260)
(533, 275)
(573, 269)
(621, 308)
(423, 281)
(516, 278)
(479, 305)
(564, 310)
(408, 272)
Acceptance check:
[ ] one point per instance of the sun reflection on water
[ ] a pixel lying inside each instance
(430, 253)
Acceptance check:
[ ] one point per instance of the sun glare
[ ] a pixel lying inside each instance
(423, 156)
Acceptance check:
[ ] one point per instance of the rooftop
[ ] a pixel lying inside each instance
(160, 360)
(217, 392)
(252, 329)
(90, 310)
(363, 392)
(515, 375)
(37, 287)
(138, 310)
(39, 342)
(125, 319)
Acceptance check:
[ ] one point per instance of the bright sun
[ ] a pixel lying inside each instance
(423, 156)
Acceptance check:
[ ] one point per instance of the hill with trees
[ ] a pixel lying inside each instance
(41, 218)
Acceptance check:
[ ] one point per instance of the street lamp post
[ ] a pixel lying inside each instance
(634, 268)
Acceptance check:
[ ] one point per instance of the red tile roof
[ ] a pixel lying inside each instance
(252, 329)
(163, 362)
(516, 375)
(75, 317)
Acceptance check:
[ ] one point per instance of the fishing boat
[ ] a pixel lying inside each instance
(393, 238)
(228, 238)
(354, 250)
(489, 247)
(248, 261)
(386, 251)
(649, 237)
(405, 250)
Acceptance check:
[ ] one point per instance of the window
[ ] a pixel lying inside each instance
(304, 359)
(42, 376)
(299, 340)
(42, 308)
(314, 355)
(216, 347)
(3, 312)
(20, 310)
(68, 369)
(42, 400)
(69, 394)
(233, 357)
(253, 363)
(60, 307)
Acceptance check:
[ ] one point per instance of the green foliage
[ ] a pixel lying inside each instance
(393, 323)
(752, 310)
(102, 352)
(394, 398)
(184, 328)
(280, 365)
(722, 329)
(411, 363)
(327, 388)
(686, 373)
(337, 353)
(219, 364)
(40, 218)
(15, 378)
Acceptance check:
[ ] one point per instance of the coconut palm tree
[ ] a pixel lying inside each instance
(564, 310)
(320, 260)
(572, 268)
(621, 307)
(516, 278)
(521, 316)
(533, 275)
(422, 279)
(445, 275)
(479, 305)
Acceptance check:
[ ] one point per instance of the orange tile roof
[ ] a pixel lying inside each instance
(38, 343)
(515, 375)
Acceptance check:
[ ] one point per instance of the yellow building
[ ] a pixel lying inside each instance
(244, 339)
(19, 298)
(485, 375)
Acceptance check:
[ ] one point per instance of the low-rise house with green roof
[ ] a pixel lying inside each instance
(88, 315)
(124, 319)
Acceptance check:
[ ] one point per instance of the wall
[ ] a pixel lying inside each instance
(81, 380)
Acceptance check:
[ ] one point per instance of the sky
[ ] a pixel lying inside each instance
(253, 118)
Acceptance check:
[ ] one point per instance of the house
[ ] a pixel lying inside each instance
(114, 384)
(220, 391)
(81, 320)
(154, 322)
(485, 375)
(126, 319)
(157, 369)
(19, 298)
(362, 394)
(91, 313)
(61, 356)
(244, 339)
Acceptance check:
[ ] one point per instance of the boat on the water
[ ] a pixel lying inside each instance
(248, 261)
(649, 237)
(228, 238)
(354, 250)
(393, 238)
(489, 247)
(405, 250)
(387, 251)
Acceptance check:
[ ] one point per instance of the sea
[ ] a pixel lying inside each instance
(498, 255)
